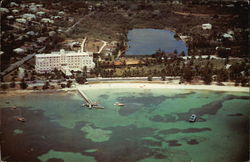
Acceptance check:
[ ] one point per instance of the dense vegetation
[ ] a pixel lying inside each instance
(111, 20)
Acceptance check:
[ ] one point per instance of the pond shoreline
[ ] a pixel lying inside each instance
(146, 41)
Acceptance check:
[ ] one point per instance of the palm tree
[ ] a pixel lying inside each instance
(69, 83)
(150, 78)
(12, 85)
(187, 74)
(4, 87)
(163, 78)
(23, 85)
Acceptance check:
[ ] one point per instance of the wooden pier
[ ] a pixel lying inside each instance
(89, 102)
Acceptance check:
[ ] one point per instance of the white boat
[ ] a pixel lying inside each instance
(119, 104)
(192, 118)
(21, 119)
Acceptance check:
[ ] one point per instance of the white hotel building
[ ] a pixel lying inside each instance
(65, 61)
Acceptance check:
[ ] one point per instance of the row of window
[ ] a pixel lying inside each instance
(47, 64)
(53, 61)
(56, 64)
(74, 67)
(44, 68)
(69, 57)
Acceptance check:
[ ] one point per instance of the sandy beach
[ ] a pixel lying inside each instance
(144, 85)
(168, 86)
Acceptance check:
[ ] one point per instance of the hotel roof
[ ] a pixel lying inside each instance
(67, 53)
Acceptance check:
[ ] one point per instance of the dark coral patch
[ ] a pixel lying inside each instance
(189, 130)
(170, 131)
(135, 103)
(200, 119)
(38, 137)
(184, 95)
(125, 144)
(192, 142)
(195, 130)
(160, 156)
(146, 100)
(210, 109)
(240, 126)
(104, 96)
(129, 109)
(41, 135)
(173, 143)
(236, 114)
(165, 118)
(152, 143)
(55, 160)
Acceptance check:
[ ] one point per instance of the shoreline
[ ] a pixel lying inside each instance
(30, 92)
(147, 85)
(123, 85)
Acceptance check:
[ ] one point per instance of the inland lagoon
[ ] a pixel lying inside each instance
(152, 126)
(148, 41)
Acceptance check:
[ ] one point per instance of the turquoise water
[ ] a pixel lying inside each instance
(152, 126)
(148, 41)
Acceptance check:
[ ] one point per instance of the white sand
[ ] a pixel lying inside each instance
(171, 86)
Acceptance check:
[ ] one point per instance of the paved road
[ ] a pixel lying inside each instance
(83, 44)
(119, 54)
(78, 22)
(70, 28)
(104, 44)
(16, 64)
(19, 63)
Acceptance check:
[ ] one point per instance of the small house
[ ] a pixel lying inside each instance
(61, 13)
(19, 50)
(227, 36)
(4, 10)
(13, 4)
(47, 20)
(10, 17)
(21, 20)
(29, 16)
(206, 26)
(15, 11)
(40, 13)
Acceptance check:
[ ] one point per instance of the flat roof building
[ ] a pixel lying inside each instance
(65, 61)
(206, 26)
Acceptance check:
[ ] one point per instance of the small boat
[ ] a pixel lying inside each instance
(96, 106)
(87, 105)
(192, 118)
(13, 108)
(118, 104)
(21, 119)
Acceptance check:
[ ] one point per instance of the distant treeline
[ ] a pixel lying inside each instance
(145, 1)
(236, 4)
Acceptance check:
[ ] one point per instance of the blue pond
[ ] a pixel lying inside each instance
(148, 41)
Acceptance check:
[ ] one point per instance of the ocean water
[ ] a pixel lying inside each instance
(152, 126)
(148, 41)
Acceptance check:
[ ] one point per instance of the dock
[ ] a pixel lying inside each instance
(89, 102)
